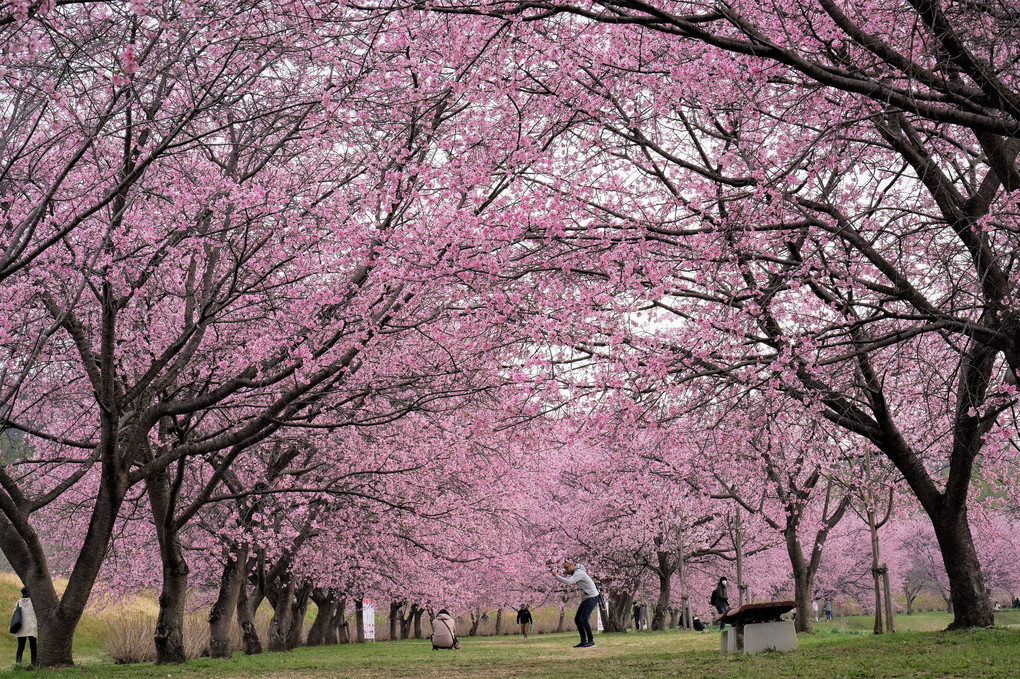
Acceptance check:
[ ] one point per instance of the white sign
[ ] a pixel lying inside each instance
(368, 619)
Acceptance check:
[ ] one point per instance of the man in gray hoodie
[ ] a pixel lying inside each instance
(577, 575)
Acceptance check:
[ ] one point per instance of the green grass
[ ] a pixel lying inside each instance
(844, 648)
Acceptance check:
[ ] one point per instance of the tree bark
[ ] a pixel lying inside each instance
(418, 610)
(616, 612)
(325, 603)
(247, 605)
(888, 599)
(969, 601)
(299, 606)
(283, 614)
(359, 620)
(395, 618)
(665, 575)
(339, 630)
(405, 621)
(169, 634)
(476, 618)
(220, 616)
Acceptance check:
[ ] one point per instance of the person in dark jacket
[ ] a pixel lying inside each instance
(636, 614)
(720, 599)
(524, 620)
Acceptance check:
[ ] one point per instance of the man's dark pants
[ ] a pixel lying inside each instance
(581, 619)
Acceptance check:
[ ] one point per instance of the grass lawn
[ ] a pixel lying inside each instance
(842, 648)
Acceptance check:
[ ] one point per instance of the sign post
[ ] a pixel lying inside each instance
(368, 619)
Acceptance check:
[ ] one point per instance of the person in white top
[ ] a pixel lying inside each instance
(29, 627)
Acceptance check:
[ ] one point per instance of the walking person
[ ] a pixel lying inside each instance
(637, 616)
(827, 609)
(524, 619)
(721, 600)
(575, 574)
(27, 628)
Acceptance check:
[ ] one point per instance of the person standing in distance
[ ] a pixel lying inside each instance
(27, 631)
(575, 574)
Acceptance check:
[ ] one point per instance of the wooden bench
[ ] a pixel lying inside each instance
(759, 627)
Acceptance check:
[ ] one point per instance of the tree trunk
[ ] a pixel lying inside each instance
(674, 617)
(394, 618)
(247, 605)
(169, 634)
(803, 579)
(875, 572)
(803, 583)
(417, 621)
(499, 621)
(969, 601)
(339, 631)
(283, 614)
(738, 550)
(563, 612)
(325, 604)
(665, 585)
(405, 622)
(220, 616)
(888, 599)
(616, 612)
(299, 606)
(475, 620)
(359, 620)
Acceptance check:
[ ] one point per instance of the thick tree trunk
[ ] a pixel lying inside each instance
(969, 599)
(563, 614)
(221, 614)
(616, 611)
(475, 620)
(247, 605)
(394, 619)
(299, 606)
(283, 612)
(803, 579)
(499, 621)
(338, 631)
(325, 604)
(169, 634)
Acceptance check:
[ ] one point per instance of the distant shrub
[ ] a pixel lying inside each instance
(128, 639)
